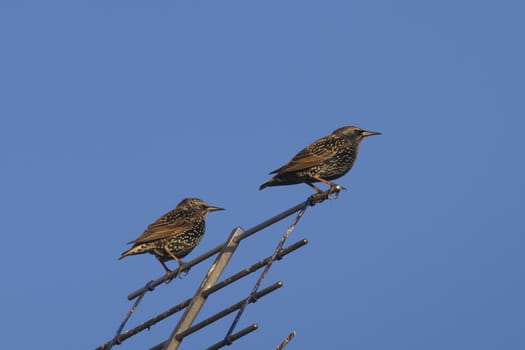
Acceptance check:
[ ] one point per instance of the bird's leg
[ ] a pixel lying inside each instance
(319, 196)
(334, 188)
(164, 266)
(329, 183)
(314, 187)
(182, 264)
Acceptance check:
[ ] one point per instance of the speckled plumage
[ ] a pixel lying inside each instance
(175, 234)
(326, 159)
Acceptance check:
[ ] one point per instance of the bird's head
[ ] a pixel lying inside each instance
(355, 132)
(197, 205)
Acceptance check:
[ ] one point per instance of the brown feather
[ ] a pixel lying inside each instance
(307, 157)
(162, 229)
(303, 160)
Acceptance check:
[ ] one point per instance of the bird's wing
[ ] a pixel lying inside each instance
(162, 228)
(308, 157)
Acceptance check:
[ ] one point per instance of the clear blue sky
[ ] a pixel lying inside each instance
(112, 112)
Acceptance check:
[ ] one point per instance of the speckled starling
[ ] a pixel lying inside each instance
(324, 160)
(175, 234)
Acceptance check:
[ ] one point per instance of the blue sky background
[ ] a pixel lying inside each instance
(112, 112)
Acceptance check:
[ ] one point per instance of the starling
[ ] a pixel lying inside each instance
(174, 234)
(324, 160)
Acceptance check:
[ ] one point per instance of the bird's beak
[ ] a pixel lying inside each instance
(212, 208)
(370, 133)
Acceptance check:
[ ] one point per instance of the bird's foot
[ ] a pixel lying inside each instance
(322, 196)
(170, 278)
(168, 271)
(183, 270)
(335, 190)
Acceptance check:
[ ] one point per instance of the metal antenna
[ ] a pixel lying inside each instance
(252, 297)
(210, 285)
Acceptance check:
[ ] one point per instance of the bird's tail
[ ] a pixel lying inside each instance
(131, 251)
(264, 185)
(274, 181)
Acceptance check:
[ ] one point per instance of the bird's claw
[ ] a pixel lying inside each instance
(168, 279)
(322, 196)
(182, 271)
(335, 189)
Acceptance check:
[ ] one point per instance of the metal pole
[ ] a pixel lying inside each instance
(206, 292)
(209, 280)
(286, 341)
(234, 337)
